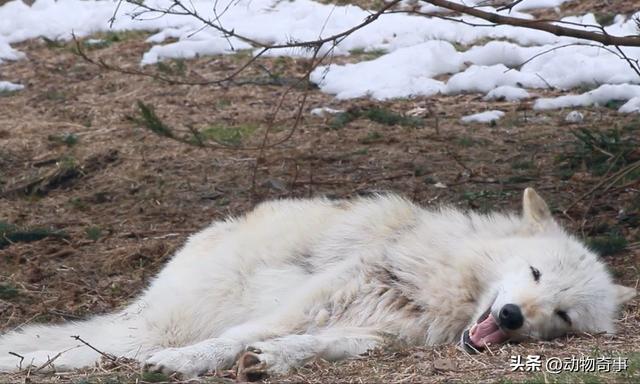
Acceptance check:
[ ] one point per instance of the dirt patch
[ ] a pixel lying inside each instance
(131, 197)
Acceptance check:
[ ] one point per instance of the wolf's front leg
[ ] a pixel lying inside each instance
(279, 355)
(196, 359)
(215, 353)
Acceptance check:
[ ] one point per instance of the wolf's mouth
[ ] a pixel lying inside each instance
(486, 331)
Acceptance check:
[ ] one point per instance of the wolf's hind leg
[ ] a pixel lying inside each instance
(279, 355)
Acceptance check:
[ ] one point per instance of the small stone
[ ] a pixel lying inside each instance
(445, 365)
(574, 117)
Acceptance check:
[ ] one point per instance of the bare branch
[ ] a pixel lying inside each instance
(184, 11)
(510, 6)
(20, 357)
(104, 65)
(605, 39)
(565, 46)
(106, 355)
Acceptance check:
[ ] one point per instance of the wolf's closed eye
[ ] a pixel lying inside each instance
(536, 274)
(563, 315)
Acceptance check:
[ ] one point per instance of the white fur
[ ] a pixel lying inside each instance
(298, 279)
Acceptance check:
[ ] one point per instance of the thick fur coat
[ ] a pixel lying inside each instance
(298, 279)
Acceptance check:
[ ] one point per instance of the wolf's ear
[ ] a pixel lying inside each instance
(534, 209)
(624, 294)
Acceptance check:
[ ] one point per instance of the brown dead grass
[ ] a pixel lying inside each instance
(155, 191)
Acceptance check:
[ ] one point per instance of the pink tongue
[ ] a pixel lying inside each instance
(487, 333)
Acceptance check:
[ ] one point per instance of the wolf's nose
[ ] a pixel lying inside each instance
(511, 317)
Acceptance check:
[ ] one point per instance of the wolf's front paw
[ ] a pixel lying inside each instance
(176, 360)
(271, 357)
(194, 360)
(251, 367)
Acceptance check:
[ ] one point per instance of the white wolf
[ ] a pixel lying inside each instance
(299, 279)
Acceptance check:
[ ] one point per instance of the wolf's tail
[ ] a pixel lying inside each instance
(112, 334)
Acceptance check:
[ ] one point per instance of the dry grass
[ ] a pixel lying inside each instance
(123, 218)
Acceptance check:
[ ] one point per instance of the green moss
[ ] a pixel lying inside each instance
(607, 245)
(10, 234)
(8, 292)
(154, 377)
(376, 114)
(231, 135)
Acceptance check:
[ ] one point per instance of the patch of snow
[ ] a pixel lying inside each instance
(483, 117)
(508, 93)
(418, 48)
(95, 41)
(481, 78)
(417, 111)
(633, 105)
(194, 48)
(404, 72)
(6, 86)
(501, 52)
(325, 111)
(598, 96)
(535, 4)
(8, 53)
(440, 185)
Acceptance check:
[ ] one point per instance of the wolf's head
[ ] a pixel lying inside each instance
(546, 284)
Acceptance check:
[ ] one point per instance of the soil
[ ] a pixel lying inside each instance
(113, 201)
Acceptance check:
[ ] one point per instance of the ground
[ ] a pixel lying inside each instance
(93, 203)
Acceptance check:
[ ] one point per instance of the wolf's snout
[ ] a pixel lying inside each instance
(511, 317)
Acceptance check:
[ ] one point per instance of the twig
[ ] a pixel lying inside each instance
(49, 362)
(561, 47)
(232, 33)
(20, 357)
(459, 162)
(615, 177)
(509, 6)
(109, 67)
(313, 64)
(106, 355)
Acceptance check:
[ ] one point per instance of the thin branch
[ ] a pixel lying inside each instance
(20, 357)
(605, 39)
(613, 179)
(49, 361)
(104, 65)
(509, 7)
(106, 355)
(565, 46)
(633, 63)
(232, 33)
(312, 65)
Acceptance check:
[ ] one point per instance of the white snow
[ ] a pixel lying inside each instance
(633, 105)
(534, 4)
(8, 53)
(6, 86)
(508, 93)
(404, 72)
(483, 117)
(209, 45)
(598, 96)
(480, 78)
(95, 41)
(418, 48)
(325, 111)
